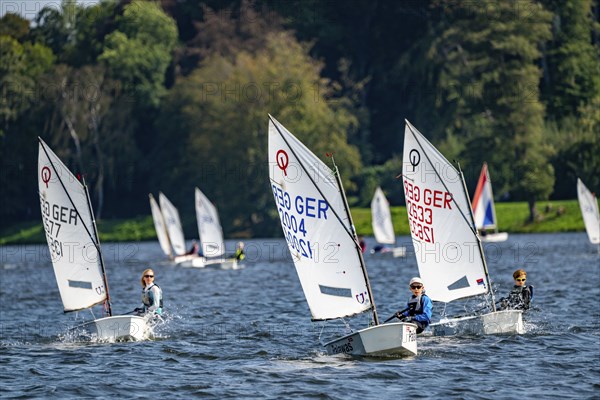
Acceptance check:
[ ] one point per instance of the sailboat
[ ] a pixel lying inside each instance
(169, 231)
(75, 251)
(448, 249)
(381, 220)
(321, 238)
(160, 227)
(484, 209)
(211, 235)
(589, 211)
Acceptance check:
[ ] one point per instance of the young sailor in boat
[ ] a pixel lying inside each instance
(239, 252)
(380, 249)
(152, 299)
(195, 248)
(419, 306)
(520, 296)
(362, 243)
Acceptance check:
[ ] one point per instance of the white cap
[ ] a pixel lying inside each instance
(416, 279)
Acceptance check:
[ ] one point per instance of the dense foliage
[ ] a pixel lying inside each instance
(148, 96)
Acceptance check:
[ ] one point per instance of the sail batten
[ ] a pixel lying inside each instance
(439, 215)
(318, 232)
(68, 224)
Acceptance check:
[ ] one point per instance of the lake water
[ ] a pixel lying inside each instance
(247, 333)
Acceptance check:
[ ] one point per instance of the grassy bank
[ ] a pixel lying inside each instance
(555, 216)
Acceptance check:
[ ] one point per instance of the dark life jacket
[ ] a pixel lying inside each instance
(412, 306)
(519, 298)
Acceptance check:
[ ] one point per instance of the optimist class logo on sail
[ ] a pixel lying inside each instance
(296, 210)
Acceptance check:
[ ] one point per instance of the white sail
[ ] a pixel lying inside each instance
(70, 232)
(484, 211)
(381, 218)
(317, 229)
(173, 224)
(160, 226)
(209, 227)
(439, 215)
(589, 211)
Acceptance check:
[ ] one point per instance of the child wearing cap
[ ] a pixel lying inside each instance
(419, 306)
(520, 296)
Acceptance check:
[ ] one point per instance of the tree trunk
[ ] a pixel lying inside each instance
(532, 211)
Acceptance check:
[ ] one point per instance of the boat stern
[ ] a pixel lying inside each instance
(119, 328)
(508, 322)
(389, 340)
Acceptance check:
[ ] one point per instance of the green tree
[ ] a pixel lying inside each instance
(572, 76)
(22, 66)
(219, 114)
(487, 53)
(14, 26)
(140, 50)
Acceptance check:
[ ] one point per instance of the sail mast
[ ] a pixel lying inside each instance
(357, 246)
(479, 245)
(97, 245)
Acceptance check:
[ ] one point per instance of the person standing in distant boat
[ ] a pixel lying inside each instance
(520, 296)
(195, 248)
(362, 244)
(152, 299)
(239, 252)
(419, 306)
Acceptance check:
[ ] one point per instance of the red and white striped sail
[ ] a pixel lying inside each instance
(484, 211)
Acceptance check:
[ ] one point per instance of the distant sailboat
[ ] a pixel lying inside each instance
(211, 234)
(169, 231)
(484, 209)
(589, 211)
(449, 254)
(161, 228)
(318, 228)
(73, 241)
(383, 229)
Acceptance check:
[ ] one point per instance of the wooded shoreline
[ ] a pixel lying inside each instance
(554, 216)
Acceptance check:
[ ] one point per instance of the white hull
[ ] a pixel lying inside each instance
(495, 237)
(395, 339)
(509, 322)
(393, 252)
(226, 263)
(118, 328)
(190, 260)
(217, 263)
